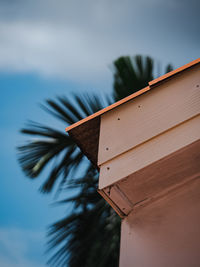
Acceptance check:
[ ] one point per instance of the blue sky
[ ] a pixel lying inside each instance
(50, 48)
(25, 214)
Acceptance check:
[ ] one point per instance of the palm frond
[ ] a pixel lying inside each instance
(168, 68)
(131, 75)
(54, 145)
(77, 233)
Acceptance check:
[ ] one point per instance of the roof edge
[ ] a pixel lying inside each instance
(152, 84)
(102, 111)
(173, 72)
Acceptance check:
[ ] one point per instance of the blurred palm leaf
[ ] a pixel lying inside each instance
(53, 145)
(133, 74)
(89, 235)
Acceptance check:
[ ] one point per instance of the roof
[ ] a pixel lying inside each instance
(86, 132)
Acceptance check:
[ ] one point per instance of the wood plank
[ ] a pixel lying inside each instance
(111, 203)
(149, 152)
(163, 176)
(149, 115)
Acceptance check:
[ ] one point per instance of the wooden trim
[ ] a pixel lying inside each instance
(173, 72)
(111, 203)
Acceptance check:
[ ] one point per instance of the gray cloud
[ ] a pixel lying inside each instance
(78, 40)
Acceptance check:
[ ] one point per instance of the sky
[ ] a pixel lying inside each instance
(50, 48)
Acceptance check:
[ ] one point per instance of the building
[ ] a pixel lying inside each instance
(147, 149)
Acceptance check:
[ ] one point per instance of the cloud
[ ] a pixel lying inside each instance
(21, 248)
(66, 52)
(76, 40)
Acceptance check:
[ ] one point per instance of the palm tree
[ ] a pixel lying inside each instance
(89, 235)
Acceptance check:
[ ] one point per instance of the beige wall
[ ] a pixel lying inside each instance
(165, 233)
